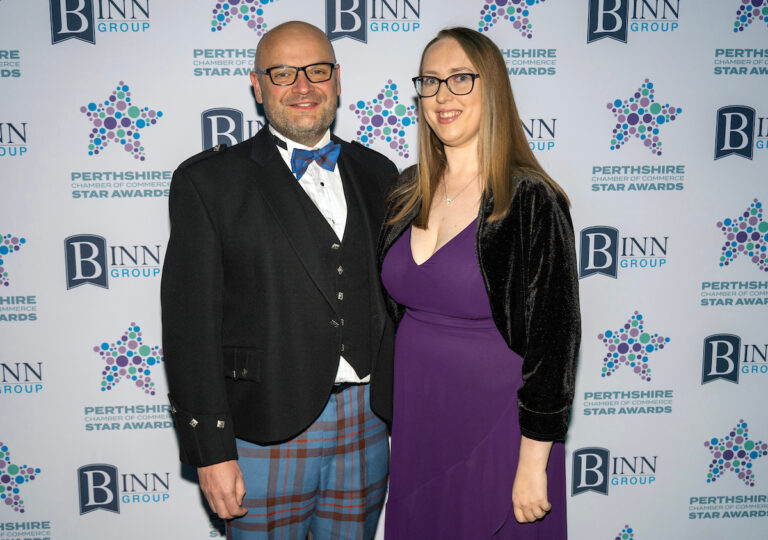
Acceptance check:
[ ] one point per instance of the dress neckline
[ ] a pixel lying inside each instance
(438, 250)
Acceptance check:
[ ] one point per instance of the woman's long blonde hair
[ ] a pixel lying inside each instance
(502, 146)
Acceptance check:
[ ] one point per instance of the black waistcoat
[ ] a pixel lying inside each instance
(346, 262)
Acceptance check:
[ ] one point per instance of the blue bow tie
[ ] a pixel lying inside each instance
(326, 157)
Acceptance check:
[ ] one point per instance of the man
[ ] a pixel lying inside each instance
(273, 320)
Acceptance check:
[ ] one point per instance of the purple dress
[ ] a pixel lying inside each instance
(455, 431)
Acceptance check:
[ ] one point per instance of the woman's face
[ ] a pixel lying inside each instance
(454, 119)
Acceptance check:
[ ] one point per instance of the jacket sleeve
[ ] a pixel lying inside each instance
(191, 297)
(552, 317)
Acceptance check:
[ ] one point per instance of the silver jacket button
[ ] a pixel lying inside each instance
(193, 423)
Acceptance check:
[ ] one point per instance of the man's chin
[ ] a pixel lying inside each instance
(306, 135)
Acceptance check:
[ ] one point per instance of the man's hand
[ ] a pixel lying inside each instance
(529, 492)
(223, 487)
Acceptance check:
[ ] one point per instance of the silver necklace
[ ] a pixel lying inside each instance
(449, 200)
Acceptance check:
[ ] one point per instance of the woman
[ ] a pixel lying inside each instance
(477, 256)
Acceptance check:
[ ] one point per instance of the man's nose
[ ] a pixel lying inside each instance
(302, 84)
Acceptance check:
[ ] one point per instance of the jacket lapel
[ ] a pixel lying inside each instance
(281, 192)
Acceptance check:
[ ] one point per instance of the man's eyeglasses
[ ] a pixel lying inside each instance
(459, 84)
(286, 75)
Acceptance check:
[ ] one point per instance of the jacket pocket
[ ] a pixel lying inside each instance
(242, 363)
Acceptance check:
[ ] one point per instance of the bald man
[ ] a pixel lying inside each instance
(275, 334)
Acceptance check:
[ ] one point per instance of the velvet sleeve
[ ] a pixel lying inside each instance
(191, 297)
(552, 316)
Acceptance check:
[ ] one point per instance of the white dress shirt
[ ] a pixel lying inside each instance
(325, 190)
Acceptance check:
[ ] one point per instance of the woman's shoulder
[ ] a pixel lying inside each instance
(532, 188)
(399, 194)
(407, 176)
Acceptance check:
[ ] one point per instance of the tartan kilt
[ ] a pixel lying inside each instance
(331, 479)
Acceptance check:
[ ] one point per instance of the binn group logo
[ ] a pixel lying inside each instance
(614, 19)
(13, 139)
(13, 478)
(725, 357)
(227, 126)
(19, 378)
(734, 453)
(515, 12)
(595, 469)
(739, 131)
(102, 487)
(540, 133)
(129, 359)
(250, 12)
(746, 236)
(384, 118)
(354, 18)
(604, 251)
(118, 121)
(89, 260)
(81, 19)
(640, 116)
(748, 12)
(630, 346)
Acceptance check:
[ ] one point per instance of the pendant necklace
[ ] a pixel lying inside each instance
(449, 200)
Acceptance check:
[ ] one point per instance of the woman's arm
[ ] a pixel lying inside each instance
(529, 493)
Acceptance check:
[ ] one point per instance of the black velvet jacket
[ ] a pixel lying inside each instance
(528, 263)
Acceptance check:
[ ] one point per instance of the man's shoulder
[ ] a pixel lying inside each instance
(362, 152)
(218, 150)
(217, 155)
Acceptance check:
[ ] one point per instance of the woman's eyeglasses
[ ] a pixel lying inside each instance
(459, 84)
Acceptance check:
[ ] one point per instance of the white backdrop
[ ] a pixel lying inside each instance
(651, 222)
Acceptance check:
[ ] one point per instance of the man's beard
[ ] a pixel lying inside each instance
(307, 136)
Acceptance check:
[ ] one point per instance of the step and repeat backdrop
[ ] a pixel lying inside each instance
(653, 114)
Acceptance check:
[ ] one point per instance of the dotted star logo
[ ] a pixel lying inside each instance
(385, 118)
(630, 345)
(640, 117)
(735, 453)
(9, 244)
(627, 533)
(248, 11)
(12, 477)
(746, 236)
(116, 120)
(130, 359)
(750, 11)
(515, 11)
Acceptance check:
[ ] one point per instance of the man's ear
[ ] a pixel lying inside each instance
(338, 80)
(256, 87)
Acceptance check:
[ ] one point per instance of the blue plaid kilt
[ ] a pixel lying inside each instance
(330, 480)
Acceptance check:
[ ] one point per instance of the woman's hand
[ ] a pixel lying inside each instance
(529, 493)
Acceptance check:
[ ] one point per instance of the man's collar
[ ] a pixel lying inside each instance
(290, 145)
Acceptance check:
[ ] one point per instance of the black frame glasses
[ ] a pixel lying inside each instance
(312, 76)
(418, 83)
